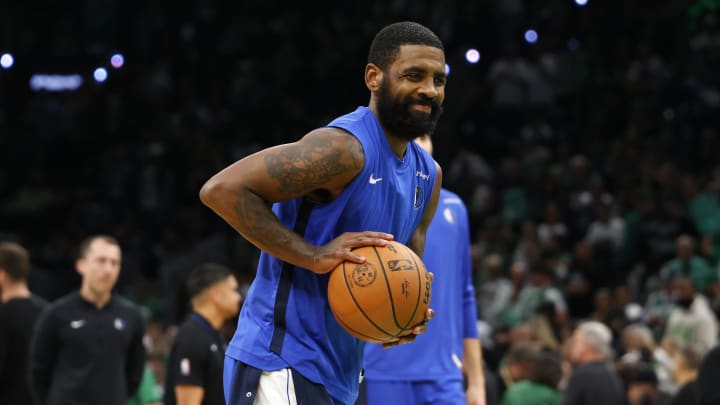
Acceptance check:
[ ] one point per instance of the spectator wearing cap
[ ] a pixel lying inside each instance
(592, 381)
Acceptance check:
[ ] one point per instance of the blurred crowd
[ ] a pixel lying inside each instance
(587, 159)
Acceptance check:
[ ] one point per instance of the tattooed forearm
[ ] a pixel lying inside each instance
(260, 224)
(298, 170)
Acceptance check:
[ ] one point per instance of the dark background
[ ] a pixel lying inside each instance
(630, 88)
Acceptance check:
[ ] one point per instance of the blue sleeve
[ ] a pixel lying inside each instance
(469, 304)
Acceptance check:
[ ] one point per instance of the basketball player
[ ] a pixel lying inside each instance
(429, 371)
(359, 181)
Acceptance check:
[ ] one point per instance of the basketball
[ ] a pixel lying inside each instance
(382, 299)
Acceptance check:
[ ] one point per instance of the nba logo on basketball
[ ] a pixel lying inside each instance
(402, 264)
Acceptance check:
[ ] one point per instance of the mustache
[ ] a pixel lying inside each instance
(427, 102)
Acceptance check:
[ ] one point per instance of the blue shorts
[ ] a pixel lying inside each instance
(428, 392)
(240, 383)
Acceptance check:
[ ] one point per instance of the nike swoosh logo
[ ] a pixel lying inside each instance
(77, 324)
(374, 180)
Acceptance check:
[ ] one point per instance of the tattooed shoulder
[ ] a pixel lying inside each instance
(314, 162)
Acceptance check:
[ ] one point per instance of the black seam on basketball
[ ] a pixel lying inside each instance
(420, 284)
(373, 338)
(347, 284)
(390, 291)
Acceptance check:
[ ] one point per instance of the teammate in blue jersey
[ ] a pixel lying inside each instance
(359, 181)
(429, 370)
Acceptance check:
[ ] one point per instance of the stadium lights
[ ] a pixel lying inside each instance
(531, 36)
(472, 56)
(117, 60)
(100, 74)
(6, 61)
(55, 82)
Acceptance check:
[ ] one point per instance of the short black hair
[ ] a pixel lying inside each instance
(546, 369)
(15, 260)
(85, 243)
(205, 276)
(387, 41)
(522, 353)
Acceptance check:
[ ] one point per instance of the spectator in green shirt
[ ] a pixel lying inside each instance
(149, 392)
(541, 386)
(687, 263)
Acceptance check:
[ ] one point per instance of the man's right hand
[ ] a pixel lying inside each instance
(327, 257)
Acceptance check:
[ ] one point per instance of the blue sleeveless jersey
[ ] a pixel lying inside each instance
(285, 320)
(435, 355)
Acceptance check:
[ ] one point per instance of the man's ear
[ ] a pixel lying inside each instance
(373, 77)
(78, 266)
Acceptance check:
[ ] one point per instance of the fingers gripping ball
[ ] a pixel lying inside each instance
(382, 299)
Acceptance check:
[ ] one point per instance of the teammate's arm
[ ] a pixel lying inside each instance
(321, 164)
(189, 394)
(472, 366)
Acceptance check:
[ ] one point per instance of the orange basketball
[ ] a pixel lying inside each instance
(383, 298)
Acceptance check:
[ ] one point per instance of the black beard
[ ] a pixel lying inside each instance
(395, 115)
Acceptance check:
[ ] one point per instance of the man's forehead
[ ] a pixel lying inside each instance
(425, 56)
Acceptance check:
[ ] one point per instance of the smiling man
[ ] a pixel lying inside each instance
(359, 181)
(87, 346)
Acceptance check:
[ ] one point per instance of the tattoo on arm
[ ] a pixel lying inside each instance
(308, 167)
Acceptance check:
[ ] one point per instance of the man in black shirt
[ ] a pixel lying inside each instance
(195, 368)
(87, 346)
(19, 310)
(592, 381)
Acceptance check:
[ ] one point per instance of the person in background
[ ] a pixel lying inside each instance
(690, 264)
(87, 346)
(541, 385)
(430, 370)
(19, 310)
(686, 364)
(592, 381)
(195, 367)
(692, 323)
(643, 387)
(516, 366)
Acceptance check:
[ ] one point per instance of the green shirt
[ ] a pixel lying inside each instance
(697, 269)
(529, 393)
(148, 392)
